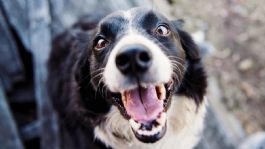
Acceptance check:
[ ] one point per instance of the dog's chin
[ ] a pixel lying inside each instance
(145, 107)
(152, 131)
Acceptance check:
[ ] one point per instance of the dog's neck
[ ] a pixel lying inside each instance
(184, 125)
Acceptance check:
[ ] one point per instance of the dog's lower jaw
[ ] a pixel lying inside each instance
(184, 124)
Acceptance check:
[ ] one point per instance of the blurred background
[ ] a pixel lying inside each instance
(230, 34)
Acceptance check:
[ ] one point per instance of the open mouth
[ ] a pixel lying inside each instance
(145, 106)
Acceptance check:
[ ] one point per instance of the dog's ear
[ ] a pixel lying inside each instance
(191, 49)
(82, 41)
(194, 85)
(179, 23)
(84, 109)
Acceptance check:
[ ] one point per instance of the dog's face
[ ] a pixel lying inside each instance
(138, 60)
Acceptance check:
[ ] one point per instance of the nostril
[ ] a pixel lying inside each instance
(123, 62)
(133, 59)
(143, 61)
(144, 57)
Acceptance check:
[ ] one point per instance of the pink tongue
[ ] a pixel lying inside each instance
(145, 110)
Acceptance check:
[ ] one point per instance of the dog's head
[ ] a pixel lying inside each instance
(139, 59)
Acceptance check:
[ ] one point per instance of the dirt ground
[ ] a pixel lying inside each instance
(236, 28)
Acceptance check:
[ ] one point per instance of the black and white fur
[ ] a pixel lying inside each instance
(84, 80)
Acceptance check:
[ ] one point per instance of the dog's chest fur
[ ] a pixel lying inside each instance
(184, 127)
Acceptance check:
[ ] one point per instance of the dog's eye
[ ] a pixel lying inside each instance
(101, 43)
(162, 30)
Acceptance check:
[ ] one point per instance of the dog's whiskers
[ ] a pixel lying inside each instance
(177, 71)
(176, 58)
(92, 73)
(177, 77)
(97, 75)
(98, 70)
(99, 82)
(176, 68)
(178, 65)
(103, 88)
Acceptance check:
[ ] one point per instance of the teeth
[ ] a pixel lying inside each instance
(169, 84)
(134, 124)
(144, 86)
(123, 98)
(162, 119)
(162, 91)
(154, 131)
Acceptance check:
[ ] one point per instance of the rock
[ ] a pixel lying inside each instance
(248, 89)
(245, 64)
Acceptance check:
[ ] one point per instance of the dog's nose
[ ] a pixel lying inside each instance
(133, 59)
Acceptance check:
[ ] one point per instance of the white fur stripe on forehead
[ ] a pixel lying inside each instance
(134, 38)
(128, 16)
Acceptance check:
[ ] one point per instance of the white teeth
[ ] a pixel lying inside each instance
(134, 124)
(144, 86)
(170, 84)
(154, 131)
(162, 119)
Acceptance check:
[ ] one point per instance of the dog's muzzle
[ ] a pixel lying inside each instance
(144, 104)
(139, 76)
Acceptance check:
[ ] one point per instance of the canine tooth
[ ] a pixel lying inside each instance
(162, 92)
(162, 119)
(134, 124)
(169, 84)
(144, 86)
(154, 130)
(123, 98)
(157, 129)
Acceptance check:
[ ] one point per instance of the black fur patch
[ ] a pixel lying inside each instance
(194, 83)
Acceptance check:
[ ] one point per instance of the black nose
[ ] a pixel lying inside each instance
(134, 59)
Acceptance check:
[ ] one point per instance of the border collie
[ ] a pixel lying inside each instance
(131, 79)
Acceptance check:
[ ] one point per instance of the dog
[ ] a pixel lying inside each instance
(131, 79)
